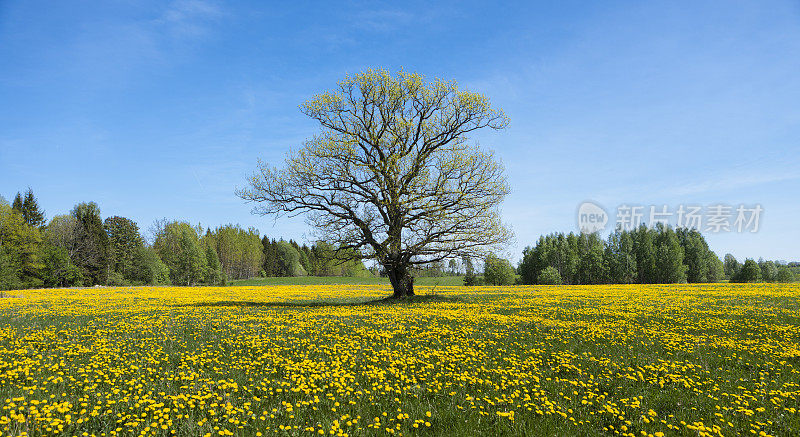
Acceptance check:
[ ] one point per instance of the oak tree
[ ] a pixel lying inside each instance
(391, 175)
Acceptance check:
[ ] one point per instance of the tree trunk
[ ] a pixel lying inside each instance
(402, 282)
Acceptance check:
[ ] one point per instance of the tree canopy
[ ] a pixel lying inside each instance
(391, 174)
(92, 248)
(498, 271)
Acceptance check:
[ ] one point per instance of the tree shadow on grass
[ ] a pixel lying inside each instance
(427, 298)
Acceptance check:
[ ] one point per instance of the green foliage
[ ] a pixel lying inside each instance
(645, 252)
(469, 272)
(304, 260)
(214, 274)
(288, 260)
(323, 259)
(769, 271)
(115, 279)
(702, 265)
(30, 210)
(270, 250)
(591, 268)
(669, 268)
(282, 258)
(641, 255)
(716, 270)
(9, 272)
(178, 246)
(352, 267)
(148, 268)
(20, 251)
(761, 271)
(731, 266)
(433, 269)
(17, 204)
(498, 271)
(447, 281)
(470, 280)
(124, 242)
(62, 231)
(391, 173)
(750, 272)
(620, 260)
(532, 264)
(452, 267)
(557, 250)
(92, 249)
(784, 275)
(59, 271)
(549, 276)
(240, 251)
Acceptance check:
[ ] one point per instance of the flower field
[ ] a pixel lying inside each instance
(631, 360)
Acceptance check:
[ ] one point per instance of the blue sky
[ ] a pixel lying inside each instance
(160, 109)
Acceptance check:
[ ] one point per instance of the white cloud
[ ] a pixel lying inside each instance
(188, 18)
(731, 182)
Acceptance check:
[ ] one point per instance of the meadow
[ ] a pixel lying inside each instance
(634, 360)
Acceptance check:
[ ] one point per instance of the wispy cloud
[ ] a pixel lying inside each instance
(115, 51)
(188, 18)
(730, 182)
(382, 20)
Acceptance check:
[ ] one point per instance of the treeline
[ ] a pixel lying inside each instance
(644, 255)
(83, 249)
(761, 271)
(287, 258)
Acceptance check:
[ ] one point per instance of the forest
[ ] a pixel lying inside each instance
(83, 249)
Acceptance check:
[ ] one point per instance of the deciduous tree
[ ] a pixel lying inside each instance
(730, 266)
(178, 246)
(769, 271)
(784, 275)
(124, 242)
(20, 251)
(392, 175)
(498, 271)
(750, 272)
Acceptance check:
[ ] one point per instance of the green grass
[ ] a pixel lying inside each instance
(345, 280)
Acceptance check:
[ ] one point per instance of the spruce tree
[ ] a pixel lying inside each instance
(30, 210)
(17, 205)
